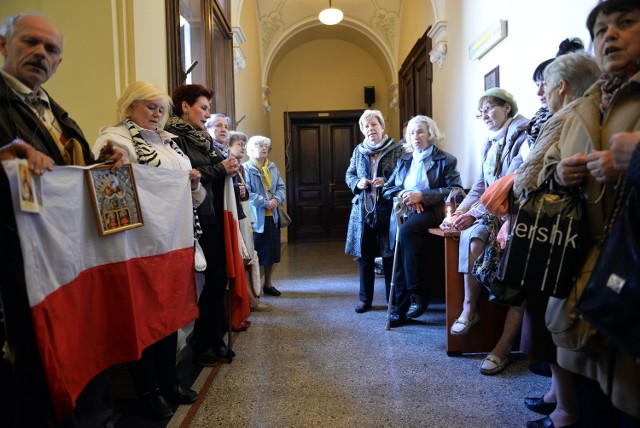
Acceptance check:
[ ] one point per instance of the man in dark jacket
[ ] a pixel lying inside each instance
(32, 50)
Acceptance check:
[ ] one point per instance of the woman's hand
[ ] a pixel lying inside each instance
(570, 171)
(273, 203)
(194, 176)
(243, 191)
(462, 221)
(600, 165)
(230, 165)
(111, 153)
(363, 183)
(377, 182)
(447, 223)
(38, 162)
(623, 145)
(413, 199)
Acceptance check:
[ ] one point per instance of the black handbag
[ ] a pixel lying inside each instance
(544, 251)
(611, 299)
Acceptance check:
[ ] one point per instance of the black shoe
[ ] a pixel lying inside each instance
(363, 307)
(417, 307)
(206, 359)
(395, 320)
(180, 394)
(538, 405)
(222, 352)
(541, 369)
(272, 291)
(546, 422)
(156, 406)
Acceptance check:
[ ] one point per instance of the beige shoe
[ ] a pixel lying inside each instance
(493, 365)
(461, 327)
(260, 306)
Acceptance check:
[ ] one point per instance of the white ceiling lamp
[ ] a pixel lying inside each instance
(330, 16)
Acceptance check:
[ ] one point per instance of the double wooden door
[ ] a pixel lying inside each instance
(319, 149)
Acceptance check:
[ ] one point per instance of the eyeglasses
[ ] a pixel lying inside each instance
(262, 146)
(484, 111)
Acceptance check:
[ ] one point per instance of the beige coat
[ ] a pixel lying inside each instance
(583, 132)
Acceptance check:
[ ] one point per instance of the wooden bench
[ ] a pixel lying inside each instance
(484, 335)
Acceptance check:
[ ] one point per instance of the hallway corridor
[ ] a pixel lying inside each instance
(312, 361)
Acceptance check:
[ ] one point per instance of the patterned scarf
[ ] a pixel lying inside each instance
(535, 125)
(369, 149)
(610, 84)
(199, 137)
(145, 152)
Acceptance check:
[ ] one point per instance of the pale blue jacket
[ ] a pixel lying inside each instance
(258, 199)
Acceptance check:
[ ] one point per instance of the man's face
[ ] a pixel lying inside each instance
(34, 51)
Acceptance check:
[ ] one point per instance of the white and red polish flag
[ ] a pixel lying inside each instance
(99, 301)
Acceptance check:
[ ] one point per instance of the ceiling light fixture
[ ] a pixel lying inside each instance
(330, 16)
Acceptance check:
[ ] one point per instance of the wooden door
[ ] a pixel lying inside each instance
(319, 152)
(414, 79)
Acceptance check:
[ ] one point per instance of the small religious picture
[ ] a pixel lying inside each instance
(114, 198)
(30, 195)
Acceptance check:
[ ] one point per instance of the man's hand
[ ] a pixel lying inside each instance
(114, 154)
(38, 162)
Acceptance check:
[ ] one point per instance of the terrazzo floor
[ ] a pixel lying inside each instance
(313, 362)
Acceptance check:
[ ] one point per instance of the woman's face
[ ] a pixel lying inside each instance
(146, 113)
(419, 136)
(373, 130)
(238, 149)
(616, 38)
(261, 150)
(219, 130)
(494, 116)
(197, 113)
(540, 92)
(554, 100)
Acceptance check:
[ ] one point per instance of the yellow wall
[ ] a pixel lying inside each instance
(325, 74)
(248, 81)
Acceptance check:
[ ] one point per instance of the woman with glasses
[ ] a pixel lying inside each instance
(266, 192)
(371, 166)
(498, 110)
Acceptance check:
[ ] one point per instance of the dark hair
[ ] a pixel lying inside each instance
(566, 46)
(190, 94)
(608, 7)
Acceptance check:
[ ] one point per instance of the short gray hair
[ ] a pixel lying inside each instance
(579, 69)
(254, 141)
(368, 115)
(8, 27)
(435, 136)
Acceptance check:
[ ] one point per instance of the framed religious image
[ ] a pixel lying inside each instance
(492, 79)
(114, 198)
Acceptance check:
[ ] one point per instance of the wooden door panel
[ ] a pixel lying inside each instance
(317, 193)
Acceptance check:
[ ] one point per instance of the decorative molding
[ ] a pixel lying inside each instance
(385, 22)
(238, 36)
(239, 60)
(266, 107)
(271, 25)
(438, 35)
(393, 96)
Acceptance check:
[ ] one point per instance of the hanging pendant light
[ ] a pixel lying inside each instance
(330, 16)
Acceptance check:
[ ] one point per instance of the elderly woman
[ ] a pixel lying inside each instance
(581, 157)
(266, 192)
(143, 109)
(191, 114)
(498, 110)
(372, 163)
(422, 180)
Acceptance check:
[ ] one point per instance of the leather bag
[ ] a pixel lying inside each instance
(611, 298)
(284, 219)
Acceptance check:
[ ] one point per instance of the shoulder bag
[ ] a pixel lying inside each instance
(544, 251)
(611, 299)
